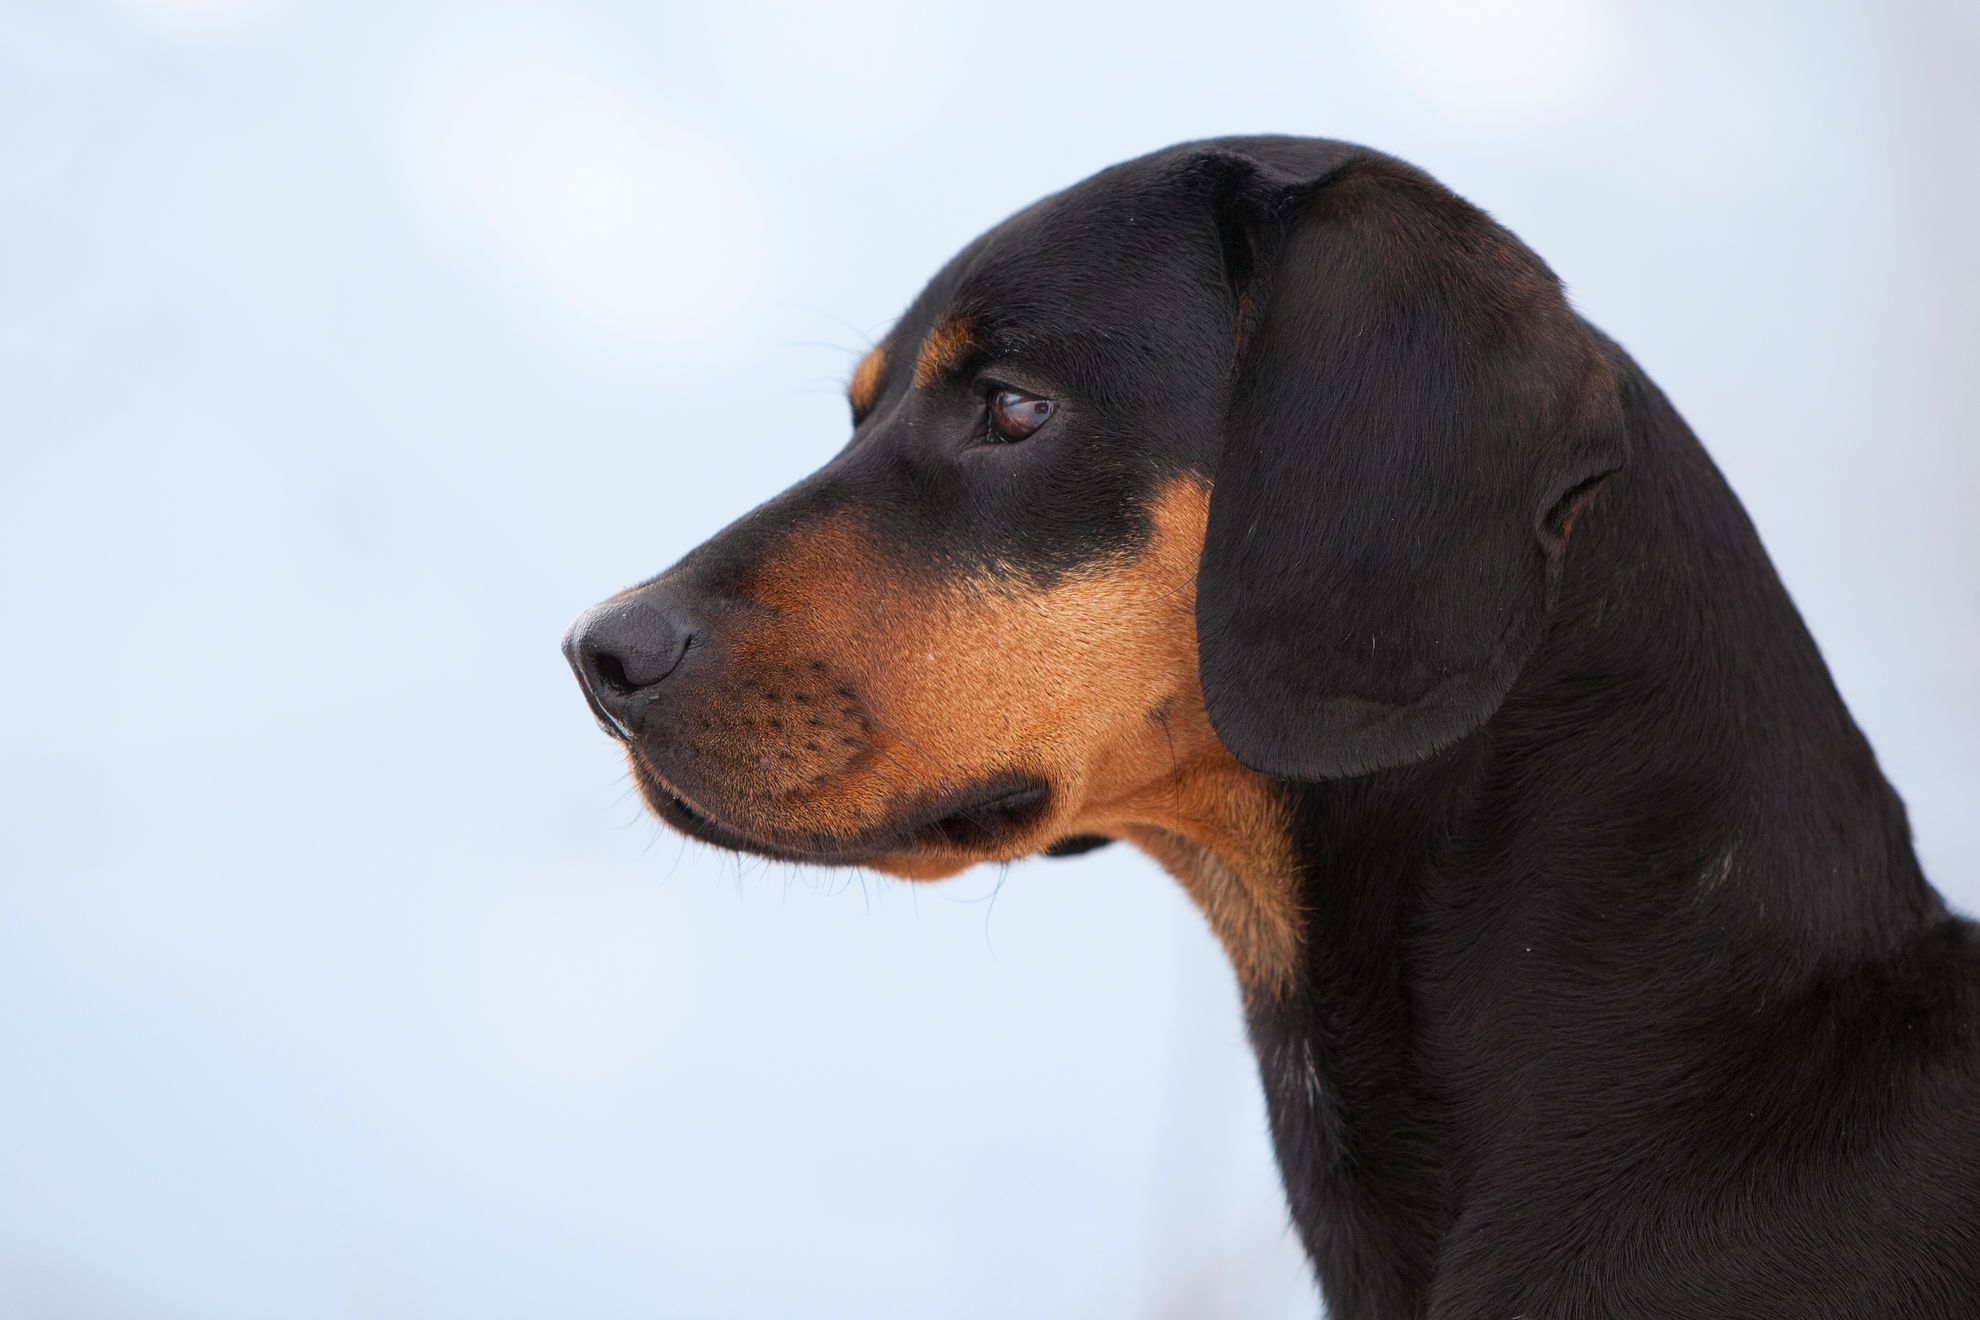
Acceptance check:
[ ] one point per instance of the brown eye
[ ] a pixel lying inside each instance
(1015, 416)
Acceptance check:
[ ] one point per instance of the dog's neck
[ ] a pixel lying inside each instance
(1475, 929)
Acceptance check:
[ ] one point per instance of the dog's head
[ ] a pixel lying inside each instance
(1246, 461)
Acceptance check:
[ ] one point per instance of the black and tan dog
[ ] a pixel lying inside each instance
(1263, 504)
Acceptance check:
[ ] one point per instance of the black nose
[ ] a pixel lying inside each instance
(622, 651)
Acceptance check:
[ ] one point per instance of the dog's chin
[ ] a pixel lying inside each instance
(930, 837)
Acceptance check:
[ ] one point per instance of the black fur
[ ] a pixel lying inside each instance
(1412, 402)
(1623, 994)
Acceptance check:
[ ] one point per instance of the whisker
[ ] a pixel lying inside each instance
(865, 713)
(1175, 774)
(869, 336)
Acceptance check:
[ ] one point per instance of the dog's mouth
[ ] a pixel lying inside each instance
(676, 812)
(983, 819)
(991, 815)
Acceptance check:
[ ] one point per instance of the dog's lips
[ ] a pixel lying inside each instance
(698, 825)
(976, 819)
(991, 814)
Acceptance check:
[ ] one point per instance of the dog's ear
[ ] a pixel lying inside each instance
(1416, 416)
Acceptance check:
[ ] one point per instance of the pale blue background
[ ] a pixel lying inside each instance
(347, 351)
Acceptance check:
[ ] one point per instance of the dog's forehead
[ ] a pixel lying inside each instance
(1117, 272)
(1141, 226)
(1103, 244)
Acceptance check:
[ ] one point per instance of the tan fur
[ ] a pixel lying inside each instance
(1252, 904)
(943, 348)
(857, 692)
(864, 390)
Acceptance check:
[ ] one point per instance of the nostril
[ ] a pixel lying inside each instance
(611, 672)
(623, 670)
(627, 646)
(637, 669)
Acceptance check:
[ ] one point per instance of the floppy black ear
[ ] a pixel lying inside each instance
(1415, 416)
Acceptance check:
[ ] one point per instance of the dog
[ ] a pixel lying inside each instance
(1264, 505)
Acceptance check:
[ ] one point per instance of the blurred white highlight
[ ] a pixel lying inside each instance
(581, 973)
(205, 17)
(523, 155)
(839, 79)
(1499, 65)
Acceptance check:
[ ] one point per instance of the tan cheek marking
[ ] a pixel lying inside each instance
(1172, 789)
(942, 349)
(864, 391)
(975, 679)
(1072, 676)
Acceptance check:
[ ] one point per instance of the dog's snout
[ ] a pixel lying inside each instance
(622, 651)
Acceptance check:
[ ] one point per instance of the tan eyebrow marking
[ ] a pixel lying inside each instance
(864, 390)
(942, 349)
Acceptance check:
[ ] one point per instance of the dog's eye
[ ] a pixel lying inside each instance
(1015, 416)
